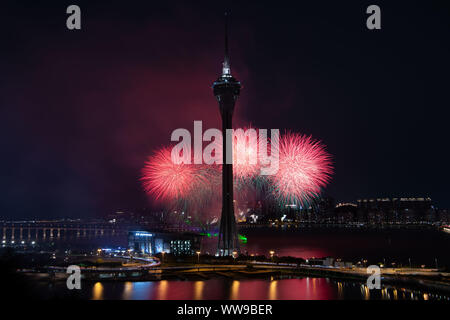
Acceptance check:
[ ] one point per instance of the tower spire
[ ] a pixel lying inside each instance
(226, 70)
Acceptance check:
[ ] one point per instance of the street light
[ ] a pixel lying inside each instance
(163, 252)
(129, 254)
(271, 254)
(198, 260)
(234, 255)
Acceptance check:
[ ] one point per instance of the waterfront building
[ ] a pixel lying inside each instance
(147, 242)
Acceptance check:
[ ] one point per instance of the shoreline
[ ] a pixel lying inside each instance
(436, 281)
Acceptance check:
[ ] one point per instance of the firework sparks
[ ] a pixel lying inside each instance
(304, 169)
(167, 181)
(245, 154)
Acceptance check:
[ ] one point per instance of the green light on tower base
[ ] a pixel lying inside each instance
(209, 235)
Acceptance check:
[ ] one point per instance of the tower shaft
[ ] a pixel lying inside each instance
(227, 90)
(228, 240)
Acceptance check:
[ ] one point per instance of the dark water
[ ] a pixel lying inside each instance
(225, 289)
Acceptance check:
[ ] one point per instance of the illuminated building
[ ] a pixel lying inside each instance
(395, 209)
(395, 203)
(145, 242)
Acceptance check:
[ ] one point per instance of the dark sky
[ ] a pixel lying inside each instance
(82, 110)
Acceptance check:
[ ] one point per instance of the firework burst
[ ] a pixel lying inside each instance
(304, 169)
(245, 154)
(168, 181)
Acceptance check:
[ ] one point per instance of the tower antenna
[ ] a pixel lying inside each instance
(226, 70)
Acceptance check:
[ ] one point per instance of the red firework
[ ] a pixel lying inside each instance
(167, 181)
(245, 154)
(304, 169)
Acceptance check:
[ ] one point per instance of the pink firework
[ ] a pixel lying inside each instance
(304, 169)
(245, 154)
(167, 181)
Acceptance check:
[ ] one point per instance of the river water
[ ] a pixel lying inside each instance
(226, 289)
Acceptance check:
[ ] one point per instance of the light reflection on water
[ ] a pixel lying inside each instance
(235, 290)
(258, 289)
(273, 290)
(97, 291)
(198, 290)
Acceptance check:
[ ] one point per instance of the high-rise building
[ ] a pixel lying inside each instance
(395, 209)
(226, 90)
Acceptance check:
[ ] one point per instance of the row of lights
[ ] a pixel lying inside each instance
(234, 254)
(21, 242)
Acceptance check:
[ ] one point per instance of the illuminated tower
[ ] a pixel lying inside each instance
(227, 89)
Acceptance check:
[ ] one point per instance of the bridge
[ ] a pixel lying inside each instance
(12, 232)
(21, 231)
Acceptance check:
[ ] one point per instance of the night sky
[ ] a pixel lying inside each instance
(82, 110)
